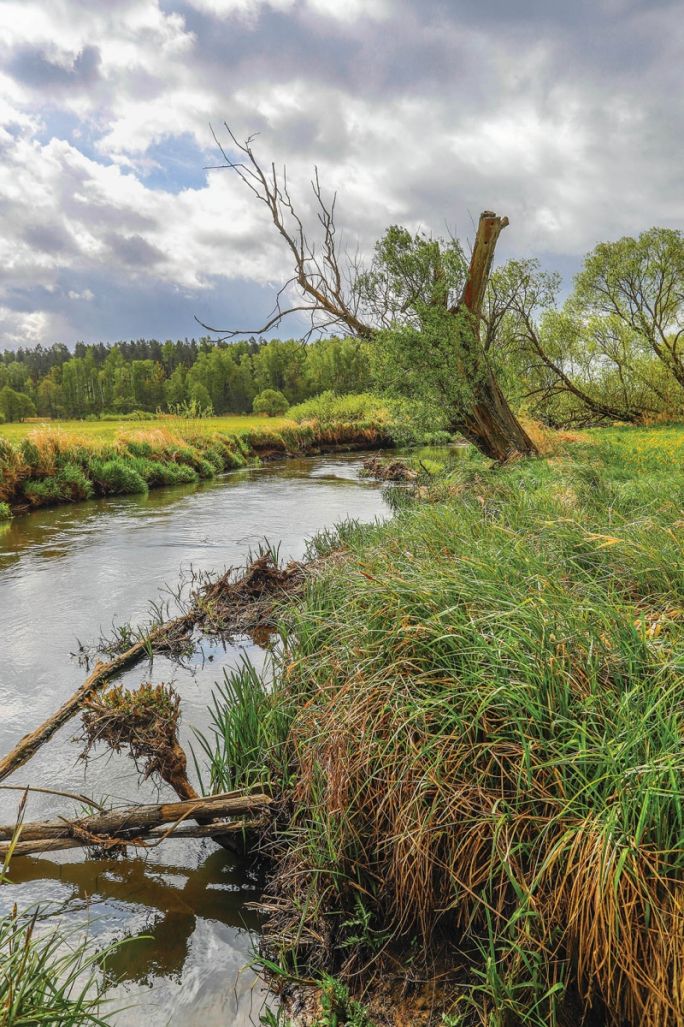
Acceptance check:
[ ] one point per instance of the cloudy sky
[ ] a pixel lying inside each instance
(567, 116)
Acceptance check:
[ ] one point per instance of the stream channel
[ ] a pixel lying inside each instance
(66, 575)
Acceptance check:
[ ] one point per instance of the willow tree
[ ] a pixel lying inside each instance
(420, 301)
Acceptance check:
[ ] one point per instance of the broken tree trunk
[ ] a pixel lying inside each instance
(135, 825)
(489, 423)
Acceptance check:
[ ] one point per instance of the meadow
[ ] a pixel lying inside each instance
(475, 730)
(107, 430)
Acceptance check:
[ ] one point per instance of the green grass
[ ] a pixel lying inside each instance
(51, 978)
(53, 465)
(106, 431)
(482, 720)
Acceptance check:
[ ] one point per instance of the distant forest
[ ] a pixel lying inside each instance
(148, 375)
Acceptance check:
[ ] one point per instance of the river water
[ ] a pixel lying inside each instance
(67, 574)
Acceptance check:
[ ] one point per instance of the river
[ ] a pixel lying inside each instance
(68, 573)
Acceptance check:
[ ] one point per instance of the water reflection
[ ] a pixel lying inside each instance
(65, 575)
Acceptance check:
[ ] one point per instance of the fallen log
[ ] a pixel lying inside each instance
(144, 839)
(135, 825)
(102, 672)
(225, 605)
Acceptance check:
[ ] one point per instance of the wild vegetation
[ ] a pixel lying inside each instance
(474, 730)
(48, 465)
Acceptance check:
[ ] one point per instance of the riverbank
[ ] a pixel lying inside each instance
(49, 466)
(474, 733)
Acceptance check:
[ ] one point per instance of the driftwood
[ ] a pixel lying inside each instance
(135, 825)
(220, 607)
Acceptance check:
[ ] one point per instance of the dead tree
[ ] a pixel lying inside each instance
(329, 287)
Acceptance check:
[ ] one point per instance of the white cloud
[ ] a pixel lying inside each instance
(422, 114)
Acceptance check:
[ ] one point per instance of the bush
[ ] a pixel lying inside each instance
(329, 408)
(270, 402)
(116, 477)
(5, 512)
(15, 406)
(158, 472)
(73, 483)
(42, 491)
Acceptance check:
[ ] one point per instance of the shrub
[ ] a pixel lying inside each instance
(270, 402)
(116, 477)
(5, 512)
(328, 408)
(73, 483)
(42, 491)
(159, 472)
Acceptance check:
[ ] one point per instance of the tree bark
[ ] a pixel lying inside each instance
(489, 424)
(130, 826)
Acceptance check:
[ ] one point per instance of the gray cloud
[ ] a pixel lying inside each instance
(567, 117)
(134, 251)
(32, 66)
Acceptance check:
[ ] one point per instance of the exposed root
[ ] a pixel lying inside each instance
(145, 722)
(392, 470)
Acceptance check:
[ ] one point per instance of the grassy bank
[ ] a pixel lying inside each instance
(52, 466)
(73, 460)
(476, 731)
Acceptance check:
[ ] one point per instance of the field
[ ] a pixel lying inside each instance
(476, 727)
(107, 430)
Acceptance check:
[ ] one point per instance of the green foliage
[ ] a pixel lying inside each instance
(72, 482)
(49, 978)
(270, 402)
(158, 472)
(427, 351)
(5, 512)
(405, 422)
(116, 477)
(338, 1009)
(329, 408)
(247, 732)
(15, 406)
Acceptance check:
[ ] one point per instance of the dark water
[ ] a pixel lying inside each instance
(67, 574)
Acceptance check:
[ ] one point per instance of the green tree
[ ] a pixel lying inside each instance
(270, 402)
(175, 388)
(637, 284)
(577, 365)
(420, 300)
(15, 406)
(199, 395)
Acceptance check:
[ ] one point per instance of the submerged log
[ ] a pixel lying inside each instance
(135, 825)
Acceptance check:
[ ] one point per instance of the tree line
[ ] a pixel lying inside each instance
(148, 375)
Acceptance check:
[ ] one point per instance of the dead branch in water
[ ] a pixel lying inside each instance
(136, 825)
(226, 606)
